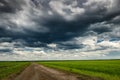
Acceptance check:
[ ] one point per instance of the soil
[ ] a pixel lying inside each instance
(40, 72)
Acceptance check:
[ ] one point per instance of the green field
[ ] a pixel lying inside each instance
(106, 69)
(9, 68)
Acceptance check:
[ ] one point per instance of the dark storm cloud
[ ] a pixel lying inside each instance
(5, 50)
(7, 39)
(10, 6)
(59, 28)
(70, 46)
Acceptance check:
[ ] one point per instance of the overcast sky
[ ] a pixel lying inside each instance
(59, 29)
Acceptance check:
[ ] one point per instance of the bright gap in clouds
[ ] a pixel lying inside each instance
(59, 30)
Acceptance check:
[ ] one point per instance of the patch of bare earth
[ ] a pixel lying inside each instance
(40, 72)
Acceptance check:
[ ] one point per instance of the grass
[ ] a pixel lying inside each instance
(106, 69)
(8, 68)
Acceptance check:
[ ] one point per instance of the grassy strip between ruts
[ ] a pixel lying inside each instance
(9, 68)
(106, 69)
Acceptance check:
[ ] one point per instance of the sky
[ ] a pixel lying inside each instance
(59, 29)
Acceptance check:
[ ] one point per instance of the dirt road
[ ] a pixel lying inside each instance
(39, 72)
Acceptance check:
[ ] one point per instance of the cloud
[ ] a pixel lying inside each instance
(114, 44)
(52, 45)
(67, 11)
(101, 27)
(107, 6)
(65, 28)
(92, 49)
(34, 18)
